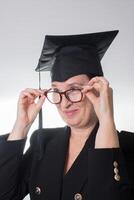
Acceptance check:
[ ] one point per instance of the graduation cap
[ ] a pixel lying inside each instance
(66, 56)
(69, 55)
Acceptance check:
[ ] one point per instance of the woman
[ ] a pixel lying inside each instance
(87, 159)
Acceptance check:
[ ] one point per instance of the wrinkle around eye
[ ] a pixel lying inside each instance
(71, 87)
(75, 88)
(55, 90)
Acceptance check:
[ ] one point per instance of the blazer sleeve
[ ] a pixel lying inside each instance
(14, 169)
(109, 176)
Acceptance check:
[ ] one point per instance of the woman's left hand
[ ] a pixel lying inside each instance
(101, 96)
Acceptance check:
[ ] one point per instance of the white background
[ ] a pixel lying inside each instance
(23, 26)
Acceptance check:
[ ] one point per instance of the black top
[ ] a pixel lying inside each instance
(39, 171)
(78, 173)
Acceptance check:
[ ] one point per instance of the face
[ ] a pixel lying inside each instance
(81, 114)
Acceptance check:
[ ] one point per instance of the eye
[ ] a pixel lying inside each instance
(75, 88)
(55, 90)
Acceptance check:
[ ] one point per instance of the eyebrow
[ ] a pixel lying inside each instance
(71, 84)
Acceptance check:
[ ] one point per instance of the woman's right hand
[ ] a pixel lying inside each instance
(27, 110)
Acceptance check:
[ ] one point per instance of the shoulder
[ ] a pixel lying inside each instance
(126, 139)
(46, 138)
(45, 135)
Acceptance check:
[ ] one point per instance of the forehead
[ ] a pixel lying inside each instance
(75, 80)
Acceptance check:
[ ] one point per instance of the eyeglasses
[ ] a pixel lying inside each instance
(55, 97)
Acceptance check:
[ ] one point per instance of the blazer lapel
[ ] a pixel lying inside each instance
(77, 176)
(52, 164)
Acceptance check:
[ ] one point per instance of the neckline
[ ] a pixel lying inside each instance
(89, 143)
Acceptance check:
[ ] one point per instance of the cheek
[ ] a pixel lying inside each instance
(58, 106)
(85, 108)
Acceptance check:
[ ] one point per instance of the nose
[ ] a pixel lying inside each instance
(65, 103)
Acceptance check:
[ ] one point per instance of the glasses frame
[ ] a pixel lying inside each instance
(63, 93)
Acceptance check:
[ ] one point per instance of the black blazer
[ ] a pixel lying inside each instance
(107, 175)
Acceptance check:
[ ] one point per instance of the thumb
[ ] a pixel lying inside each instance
(91, 93)
(40, 102)
(92, 97)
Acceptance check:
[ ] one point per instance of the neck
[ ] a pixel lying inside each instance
(82, 132)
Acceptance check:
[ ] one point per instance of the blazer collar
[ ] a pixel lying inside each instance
(52, 164)
(77, 176)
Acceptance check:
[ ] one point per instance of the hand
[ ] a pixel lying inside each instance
(27, 107)
(101, 96)
(27, 111)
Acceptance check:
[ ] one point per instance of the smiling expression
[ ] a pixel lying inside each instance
(79, 114)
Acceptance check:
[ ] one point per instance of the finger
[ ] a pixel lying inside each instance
(92, 96)
(30, 93)
(104, 84)
(40, 102)
(44, 91)
(99, 79)
(36, 92)
(27, 95)
(95, 91)
(88, 88)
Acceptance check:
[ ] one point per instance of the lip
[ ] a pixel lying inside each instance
(70, 113)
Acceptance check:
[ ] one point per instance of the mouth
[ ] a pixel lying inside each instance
(70, 113)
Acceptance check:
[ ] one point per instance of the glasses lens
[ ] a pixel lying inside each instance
(74, 95)
(53, 97)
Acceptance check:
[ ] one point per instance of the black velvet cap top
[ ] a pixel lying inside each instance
(66, 56)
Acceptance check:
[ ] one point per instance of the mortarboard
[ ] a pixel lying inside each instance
(69, 55)
(66, 56)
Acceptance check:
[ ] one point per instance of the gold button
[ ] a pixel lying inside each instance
(117, 177)
(77, 196)
(115, 164)
(37, 191)
(116, 171)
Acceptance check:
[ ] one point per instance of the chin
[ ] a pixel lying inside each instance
(72, 122)
(79, 122)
